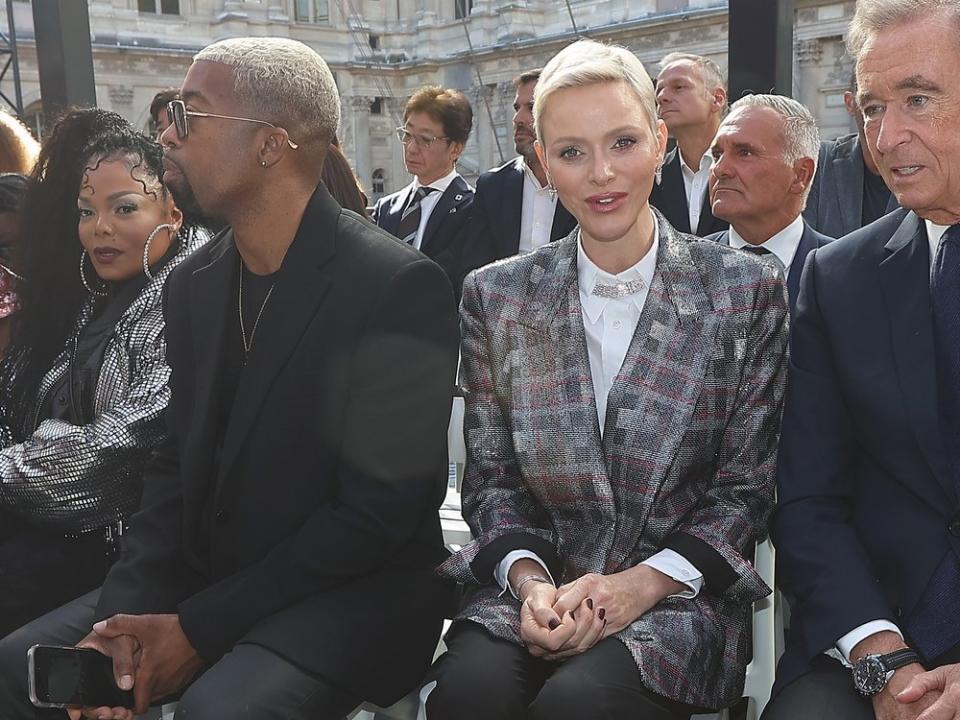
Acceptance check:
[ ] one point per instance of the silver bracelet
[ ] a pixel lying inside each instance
(528, 578)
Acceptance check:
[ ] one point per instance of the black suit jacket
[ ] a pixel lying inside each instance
(324, 528)
(865, 495)
(670, 198)
(441, 235)
(835, 204)
(493, 231)
(810, 240)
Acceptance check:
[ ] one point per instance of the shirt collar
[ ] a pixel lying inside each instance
(528, 174)
(705, 162)
(934, 233)
(588, 274)
(783, 244)
(439, 185)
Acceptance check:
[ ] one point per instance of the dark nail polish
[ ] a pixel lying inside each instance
(553, 624)
(590, 603)
(601, 613)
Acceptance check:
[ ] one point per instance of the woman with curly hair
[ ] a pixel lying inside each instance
(83, 386)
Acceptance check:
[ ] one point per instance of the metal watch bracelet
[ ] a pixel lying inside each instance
(529, 578)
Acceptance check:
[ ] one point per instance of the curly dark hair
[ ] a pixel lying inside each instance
(51, 295)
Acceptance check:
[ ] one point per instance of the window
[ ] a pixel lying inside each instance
(377, 186)
(374, 42)
(376, 107)
(311, 10)
(462, 8)
(159, 7)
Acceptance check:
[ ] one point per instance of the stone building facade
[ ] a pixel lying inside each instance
(382, 50)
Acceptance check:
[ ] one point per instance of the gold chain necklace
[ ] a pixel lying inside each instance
(256, 323)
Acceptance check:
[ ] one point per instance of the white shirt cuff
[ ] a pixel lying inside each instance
(848, 642)
(677, 567)
(502, 572)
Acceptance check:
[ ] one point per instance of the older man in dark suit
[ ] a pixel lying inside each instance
(282, 563)
(848, 191)
(431, 211)
(691, 101)
(763, 165)
(868, 526)
(515, 209)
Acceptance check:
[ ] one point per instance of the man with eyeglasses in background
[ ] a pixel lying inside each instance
(430, 212)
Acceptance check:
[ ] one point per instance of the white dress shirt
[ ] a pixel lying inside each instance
(695, 184)
(536, 214)
(848, 642)
(609, 325)
(784, 244)
(430, 201)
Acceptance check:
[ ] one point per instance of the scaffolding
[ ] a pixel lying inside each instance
(8, 56)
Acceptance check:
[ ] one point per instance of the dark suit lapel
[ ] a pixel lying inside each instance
(905, 282)
(848, 176)
(563, 223)
(511, 210)
(211, 298)
(651, 402)
(807, 243)
(456, 194)
(670, 198)
(391, 221)
(302, 283)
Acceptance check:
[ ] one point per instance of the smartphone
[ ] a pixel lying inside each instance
(62, 677)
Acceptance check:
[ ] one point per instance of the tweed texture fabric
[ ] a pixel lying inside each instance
(690, 445)
(72, 479)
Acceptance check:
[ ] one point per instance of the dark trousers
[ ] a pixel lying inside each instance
(827, 692)
(248, 682)
(40, 571)
(481, 677)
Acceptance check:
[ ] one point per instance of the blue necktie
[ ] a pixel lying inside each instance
(934, 624)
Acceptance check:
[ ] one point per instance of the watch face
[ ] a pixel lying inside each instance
(869, 675)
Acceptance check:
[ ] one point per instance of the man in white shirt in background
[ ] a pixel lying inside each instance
(764, 161)
(430, 212)
(514, 210)
(691, 101)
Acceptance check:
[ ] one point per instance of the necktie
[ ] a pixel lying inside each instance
(410, 220)
(765, 255)
(933, 624)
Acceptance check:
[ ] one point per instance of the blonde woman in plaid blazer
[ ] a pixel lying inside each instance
(624, 395)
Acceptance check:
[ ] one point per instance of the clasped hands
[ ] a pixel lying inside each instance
(559, 622)
(151, 655)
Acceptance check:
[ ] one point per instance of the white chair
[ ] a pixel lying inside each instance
(767, 639)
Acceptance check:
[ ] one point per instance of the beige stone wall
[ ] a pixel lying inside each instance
(420, 42)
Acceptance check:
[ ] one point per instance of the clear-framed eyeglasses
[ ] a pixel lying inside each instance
(177, 114)
(423, 141)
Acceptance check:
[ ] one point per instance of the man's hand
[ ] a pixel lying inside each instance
(885, 703)
(125, 651)
(941, 684)
(167, 660)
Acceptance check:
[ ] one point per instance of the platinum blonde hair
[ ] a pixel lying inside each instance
(587, 62)
(801, 136)
(284, 82)
(873, 16)
(712, 74)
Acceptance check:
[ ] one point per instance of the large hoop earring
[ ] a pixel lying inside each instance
(146, 246)
(83, 278)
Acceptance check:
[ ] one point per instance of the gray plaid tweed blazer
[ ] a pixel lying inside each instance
(686, 461)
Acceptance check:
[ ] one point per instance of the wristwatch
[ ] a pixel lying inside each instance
(871, 673)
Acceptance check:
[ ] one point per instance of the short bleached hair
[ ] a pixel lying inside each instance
(18, 149)
(587, 62)
(801, 136)
(873, 16)
(284, 82)
(712, 74)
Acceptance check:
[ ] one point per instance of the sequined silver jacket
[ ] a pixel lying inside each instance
(73, 479)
